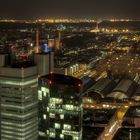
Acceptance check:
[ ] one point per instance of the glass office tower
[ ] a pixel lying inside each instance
(60, 109)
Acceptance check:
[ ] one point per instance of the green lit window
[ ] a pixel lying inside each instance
(52, 134)
(44, 116)
(61, 136)
(56, 100)
(51, 105)
(48, 109)
(76, 138)
(61, 116)
(40, 95)
(51, 115)
(69, 107)
(57, 126)
(67, 127)
(47, 132)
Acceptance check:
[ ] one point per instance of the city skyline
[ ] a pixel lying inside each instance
(70, 70)
(97, 9)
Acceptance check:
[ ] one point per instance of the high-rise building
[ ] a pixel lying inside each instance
(19, 103)
(18, 95)
(44, 62)
(51, 43)
(60, 109)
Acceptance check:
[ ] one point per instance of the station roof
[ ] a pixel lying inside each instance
(123, 85)
(124, 89)
(103, 86)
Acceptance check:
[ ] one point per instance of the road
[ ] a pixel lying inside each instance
(115, 122)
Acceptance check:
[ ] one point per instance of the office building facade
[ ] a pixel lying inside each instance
(18, 92)
(60, 109)
(19, 103)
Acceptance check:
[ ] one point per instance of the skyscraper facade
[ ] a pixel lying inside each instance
(18, 95)
(18, 92)
(60, 110)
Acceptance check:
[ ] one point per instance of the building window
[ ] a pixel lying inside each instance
(51, 105)
(45, 91)
(67, 127)
(57, 126)
(56, 100)
(44, 116)
(47, 132)
(52, 115)
(52, 134)
(48, 109)
(45, 94)
(69, 107)
(61, 116)
(76, 138)
(61, 136)
(40, 95)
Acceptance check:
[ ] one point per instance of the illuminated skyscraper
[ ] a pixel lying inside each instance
(18, 95)
(60, 110)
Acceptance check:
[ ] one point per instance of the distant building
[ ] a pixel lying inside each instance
(60, 110)
(44, 62)
(132, 118)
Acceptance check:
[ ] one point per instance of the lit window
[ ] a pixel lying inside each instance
(43, 89)
(69, 107)
(51, 105)
(44, 93)
(48, 109)
(75, 138)
(61, 116)
(60, 110)
(61, 136)
(39, 95)
(44, 116)
(71, 97)
(47, 132)
(57, 125)
(52, 115)
(56, 100)
(52, 134)
(67, 127)
(47, 90)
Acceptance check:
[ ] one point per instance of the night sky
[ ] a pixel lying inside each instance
(31, 9)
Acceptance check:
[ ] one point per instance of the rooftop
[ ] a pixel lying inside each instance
(62, 79)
